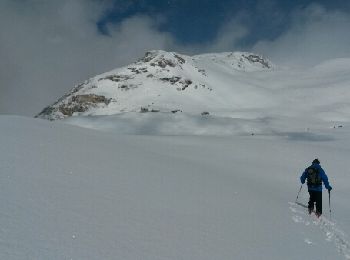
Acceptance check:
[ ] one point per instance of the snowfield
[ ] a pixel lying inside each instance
(73, 193)
(178, 157)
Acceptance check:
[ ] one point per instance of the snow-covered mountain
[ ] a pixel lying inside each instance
(165, 82)
(199, 95)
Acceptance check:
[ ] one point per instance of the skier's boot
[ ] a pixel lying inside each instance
(310, 210)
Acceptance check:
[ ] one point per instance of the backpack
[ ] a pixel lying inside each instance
(313, 176)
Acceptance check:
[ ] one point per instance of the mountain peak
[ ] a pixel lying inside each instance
(160, 81)
(163, 59)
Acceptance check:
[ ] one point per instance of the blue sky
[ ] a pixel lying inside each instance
(199, 21)
(48, 46)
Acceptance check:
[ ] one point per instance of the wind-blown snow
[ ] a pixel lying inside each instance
(74, 193)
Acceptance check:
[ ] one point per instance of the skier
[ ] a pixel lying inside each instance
(315, 175)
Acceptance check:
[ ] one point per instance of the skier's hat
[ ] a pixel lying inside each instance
(316, 161)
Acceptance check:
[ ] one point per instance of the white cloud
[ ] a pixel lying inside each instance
(48, 46)
(315, 35)
(228, 35)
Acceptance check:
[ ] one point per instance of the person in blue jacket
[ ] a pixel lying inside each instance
(315, 175)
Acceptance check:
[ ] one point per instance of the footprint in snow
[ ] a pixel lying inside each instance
(298, 219)
(332, 232)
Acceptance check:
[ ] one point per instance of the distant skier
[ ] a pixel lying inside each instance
(315, 175)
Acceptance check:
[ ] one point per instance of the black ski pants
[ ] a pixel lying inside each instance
(315, 197)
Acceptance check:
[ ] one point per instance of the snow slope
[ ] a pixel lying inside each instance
(74, 193)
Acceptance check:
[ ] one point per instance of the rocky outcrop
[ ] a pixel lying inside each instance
(163, 59)
(75, 104)
(257, 59)
(81, 103)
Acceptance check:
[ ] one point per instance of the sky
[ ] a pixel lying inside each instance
(47, 46)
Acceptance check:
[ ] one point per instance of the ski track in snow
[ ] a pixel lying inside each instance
(332, 232)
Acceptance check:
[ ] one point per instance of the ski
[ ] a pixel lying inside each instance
(306, 207)
(301, 204)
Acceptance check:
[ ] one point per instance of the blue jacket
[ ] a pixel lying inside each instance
(323, 176)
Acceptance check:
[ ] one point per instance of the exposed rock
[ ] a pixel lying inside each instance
(148, 56)
(257, 59)
(138, 70)
(117, 78)
(186, 83)
(202, 71)
(172, 80)
(90, 98)
(144, 110)
(159, 60)
(181, 60)
(175, 79)
(47, 111)
(176, 110)
(127, 86)
(165, 62)
(69, 109)
(81, 103)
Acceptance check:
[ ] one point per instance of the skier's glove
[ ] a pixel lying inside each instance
(329, 188)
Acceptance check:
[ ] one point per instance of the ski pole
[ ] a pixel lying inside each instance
(329, 204)
(298, 193)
